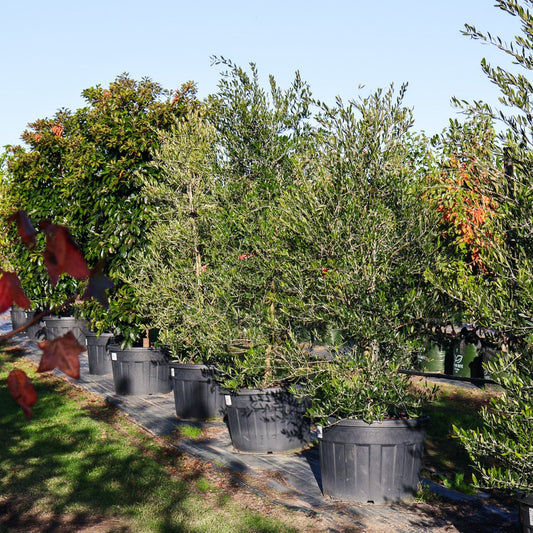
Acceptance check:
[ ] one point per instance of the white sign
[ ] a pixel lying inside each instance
(113, 356)
(227, 397)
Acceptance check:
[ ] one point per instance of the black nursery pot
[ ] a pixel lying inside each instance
(97, 355)
(139, 370)
(378, 462)
(57, 326)
(526, 514)
(19, 317)
(197, 394)
(267, 421)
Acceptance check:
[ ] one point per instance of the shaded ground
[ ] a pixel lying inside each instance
(255, 492)
(265, 487)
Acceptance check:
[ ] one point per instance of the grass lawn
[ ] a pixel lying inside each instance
(445, 460)
(80, 465)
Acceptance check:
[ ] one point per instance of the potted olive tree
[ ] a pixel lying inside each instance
(262, 136)
(168, 274)
(213, 306)
(351, 260)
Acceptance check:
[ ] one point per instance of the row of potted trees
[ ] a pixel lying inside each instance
(359, 461)
(282, 241)
(279, 243)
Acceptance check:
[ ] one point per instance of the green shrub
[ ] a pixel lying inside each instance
(221, 173)
(83, 169)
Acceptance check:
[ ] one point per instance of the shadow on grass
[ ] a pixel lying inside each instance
(69, 462)
(444, 452)
(78, 463)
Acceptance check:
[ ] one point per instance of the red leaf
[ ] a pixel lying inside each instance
(61, 353)
(62, 254)
(24, 228)
(57, 130)
(22, 390)
(98, 284)
(11, 291)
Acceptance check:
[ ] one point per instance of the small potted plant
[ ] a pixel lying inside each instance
(139, 363)
(263, 413)
(63, 321)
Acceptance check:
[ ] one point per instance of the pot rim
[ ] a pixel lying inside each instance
(90, 333)
(265, 391)
(420, 421)
(202, 366)
(117, 348)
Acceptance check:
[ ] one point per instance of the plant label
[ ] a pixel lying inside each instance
(319, 432)
(113, 356)
(172, 372)
(227, 398)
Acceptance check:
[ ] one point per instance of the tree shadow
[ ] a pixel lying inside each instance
(69, 466)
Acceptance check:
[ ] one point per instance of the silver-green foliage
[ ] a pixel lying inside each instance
(351, 258)
(169, 273)
(281, 228)
(502, 450)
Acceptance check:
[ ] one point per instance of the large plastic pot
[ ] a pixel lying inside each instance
(97, 355)
(57, 326)
(19, 317)
(526, 514)
(197, 395)
(267, 421)
(139, 370)
(378, 462)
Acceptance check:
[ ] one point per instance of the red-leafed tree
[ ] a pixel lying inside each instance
(463, 201)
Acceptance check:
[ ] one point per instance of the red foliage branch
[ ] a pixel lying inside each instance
(61, 256)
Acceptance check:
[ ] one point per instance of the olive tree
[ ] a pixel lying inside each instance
(502, 450)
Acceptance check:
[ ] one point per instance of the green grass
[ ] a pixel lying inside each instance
(445, 460)
(80, 457)
(190, 432)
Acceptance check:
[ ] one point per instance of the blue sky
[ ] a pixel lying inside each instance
(53, 50)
